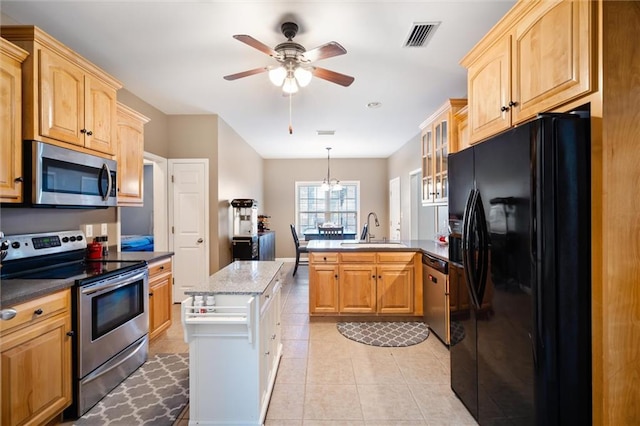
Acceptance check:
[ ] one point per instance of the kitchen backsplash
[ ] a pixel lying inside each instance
(28, 220)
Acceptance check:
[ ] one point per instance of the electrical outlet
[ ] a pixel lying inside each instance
(103, 229)
(88, 231)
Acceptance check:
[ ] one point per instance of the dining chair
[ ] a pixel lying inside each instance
(300, 248)
(331, 233)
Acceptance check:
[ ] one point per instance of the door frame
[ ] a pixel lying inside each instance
(395, 181)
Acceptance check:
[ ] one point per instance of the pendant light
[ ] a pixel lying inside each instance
(329, 184)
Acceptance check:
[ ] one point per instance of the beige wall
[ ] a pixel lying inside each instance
(279, 192)
(400, 164)
(240, 175)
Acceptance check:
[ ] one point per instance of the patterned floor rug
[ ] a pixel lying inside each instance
(388, 334)
(154, 394)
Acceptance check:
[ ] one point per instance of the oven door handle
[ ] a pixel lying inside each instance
(112, 284)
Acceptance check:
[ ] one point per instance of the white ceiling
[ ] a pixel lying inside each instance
(173, 55)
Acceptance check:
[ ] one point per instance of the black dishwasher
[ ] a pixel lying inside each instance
(436, 296)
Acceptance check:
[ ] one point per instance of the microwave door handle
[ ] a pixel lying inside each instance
(105, 169)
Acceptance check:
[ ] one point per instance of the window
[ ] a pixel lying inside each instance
(315, 206)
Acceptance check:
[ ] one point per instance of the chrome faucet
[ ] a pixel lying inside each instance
(369, 234)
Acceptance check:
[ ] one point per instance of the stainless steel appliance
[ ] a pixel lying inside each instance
(109, 307)
(60, 177)
(521, 353)
(436, 296)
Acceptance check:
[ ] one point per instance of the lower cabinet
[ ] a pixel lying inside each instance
(36, 360)
(360, 283)
(160, 296)
(267, 245)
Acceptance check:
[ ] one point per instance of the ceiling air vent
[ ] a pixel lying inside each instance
(420, 33)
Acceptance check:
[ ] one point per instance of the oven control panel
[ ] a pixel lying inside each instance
(32, 245)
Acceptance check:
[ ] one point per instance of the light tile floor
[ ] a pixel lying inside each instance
(326, 379)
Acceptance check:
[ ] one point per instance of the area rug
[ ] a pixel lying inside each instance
(387, 334)
(154, 394)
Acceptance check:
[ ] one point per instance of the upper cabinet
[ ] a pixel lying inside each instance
(537, 58)
(74, 102)
(130, 155)
(11, 177)
(438, 137)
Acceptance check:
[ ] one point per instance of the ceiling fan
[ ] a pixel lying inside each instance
(295, 67)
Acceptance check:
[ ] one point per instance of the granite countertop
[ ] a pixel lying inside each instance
(438, 250)
(240, 277)
(15, 291)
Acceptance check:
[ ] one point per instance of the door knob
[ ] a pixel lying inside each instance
(200, 240)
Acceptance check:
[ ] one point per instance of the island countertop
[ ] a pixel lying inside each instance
(240, 277)
(425, 246)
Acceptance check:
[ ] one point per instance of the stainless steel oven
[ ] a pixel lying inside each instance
(110, 308)
(112, 324)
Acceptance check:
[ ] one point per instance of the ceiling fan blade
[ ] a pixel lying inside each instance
(332, 76)
(247, 39)
(325, 51)
(245, 73)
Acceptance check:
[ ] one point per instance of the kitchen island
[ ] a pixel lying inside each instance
(376, 279)
(233, 328)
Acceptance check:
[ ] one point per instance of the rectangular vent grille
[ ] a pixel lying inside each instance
(421, 33)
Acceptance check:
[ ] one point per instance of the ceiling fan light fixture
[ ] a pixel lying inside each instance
(303, 76)
(277, 75)
(290, 86)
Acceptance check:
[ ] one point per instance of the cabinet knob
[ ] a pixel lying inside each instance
(89, 133)
(373, 276)
(336, 275)
(150, 294)
(379, 277)
(83, 131)
(504, 108)
(71, 333)
(19, 179)
(38, 311)
(512, 103)
(7, 314)
(161, 267)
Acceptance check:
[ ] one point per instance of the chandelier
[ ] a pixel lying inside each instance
(329, 184)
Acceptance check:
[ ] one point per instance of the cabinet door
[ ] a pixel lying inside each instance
(130, 157)
(10, 130)
(489, 85)
(100, 116)
(159, 305)
(62, 99)
(551, 57)
(323, 288)
(357, 288)
(428, 187)
(36, 372)
(395, 289)
(462, 124)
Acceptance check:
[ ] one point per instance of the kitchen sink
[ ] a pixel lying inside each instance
(374, 244)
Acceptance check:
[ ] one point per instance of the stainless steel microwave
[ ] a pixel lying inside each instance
(61, 177)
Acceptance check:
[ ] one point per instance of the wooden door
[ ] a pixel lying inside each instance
(489, 85)
(357, 288)
(159, 305)
(36, 372)
(62, 99)
(552, 50)
(130, 156)
(100, 116)
(395, 285)
(11, 177)
(323, 289)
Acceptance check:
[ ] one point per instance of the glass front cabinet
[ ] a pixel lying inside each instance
(438, 138)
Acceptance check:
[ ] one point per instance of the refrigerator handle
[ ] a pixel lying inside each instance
(483, 250)
(468, 256)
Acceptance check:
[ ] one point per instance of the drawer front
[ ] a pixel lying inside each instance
(160, 267)
(396, 257)
(361, 257)
(36, 310)
(323, 257)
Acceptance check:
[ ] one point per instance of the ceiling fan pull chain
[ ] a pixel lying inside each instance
(290, 126)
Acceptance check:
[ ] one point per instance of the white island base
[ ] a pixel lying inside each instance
(234, 353)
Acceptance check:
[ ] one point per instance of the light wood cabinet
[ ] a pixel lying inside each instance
(160, 296)
(438, 137)
(36, 360)
(67, 101)
(364, 283)
(537, 58)
(130, 156)
(462, 124)
(11, 174)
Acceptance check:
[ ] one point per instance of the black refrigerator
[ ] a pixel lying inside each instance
(519, 212)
